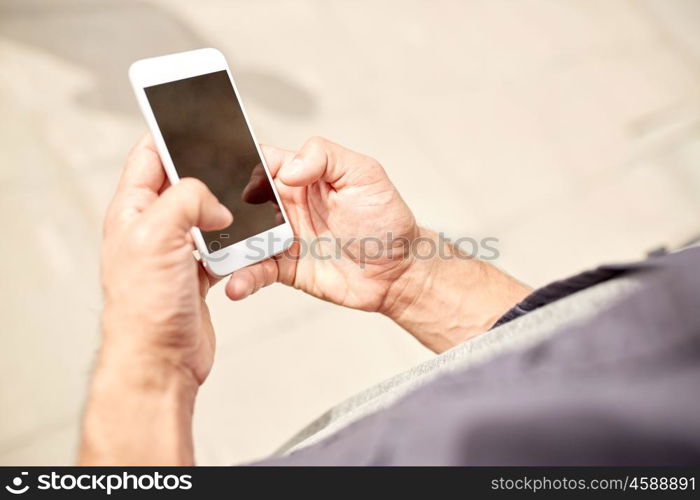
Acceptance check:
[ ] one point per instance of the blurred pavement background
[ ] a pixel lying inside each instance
(567, 129)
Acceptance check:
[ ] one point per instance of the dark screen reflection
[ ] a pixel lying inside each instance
(206, 134)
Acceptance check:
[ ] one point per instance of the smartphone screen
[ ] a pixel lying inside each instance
(207, 137)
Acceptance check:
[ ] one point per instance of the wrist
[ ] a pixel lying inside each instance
(139, 412)
(125, 369)
(406, 291)
(446, 297)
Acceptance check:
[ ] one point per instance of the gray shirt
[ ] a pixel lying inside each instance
(599, 369)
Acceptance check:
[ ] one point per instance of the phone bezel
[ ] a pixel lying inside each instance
(163, 69)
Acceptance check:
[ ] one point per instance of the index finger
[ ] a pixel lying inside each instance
(142, 178)
(275, 157)
(143, 169)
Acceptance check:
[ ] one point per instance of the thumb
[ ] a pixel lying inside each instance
(186, 204)
(322, 159)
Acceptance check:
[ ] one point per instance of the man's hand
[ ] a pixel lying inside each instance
(361, 248)
(336, 200)
(154, 289)
(158, 340)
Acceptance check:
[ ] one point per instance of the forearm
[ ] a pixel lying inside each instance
(139, 412)
(445, 300)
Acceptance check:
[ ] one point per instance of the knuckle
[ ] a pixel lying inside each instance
(372, 167)
(193, 187)
(137, 150)
(269, 272)
(373, 163)
(108, 221)
(141, 238)
(133, 151)
(191, 183)
(317, 142)
(109, 226)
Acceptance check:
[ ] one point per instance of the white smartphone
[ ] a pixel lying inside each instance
(201, 130)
